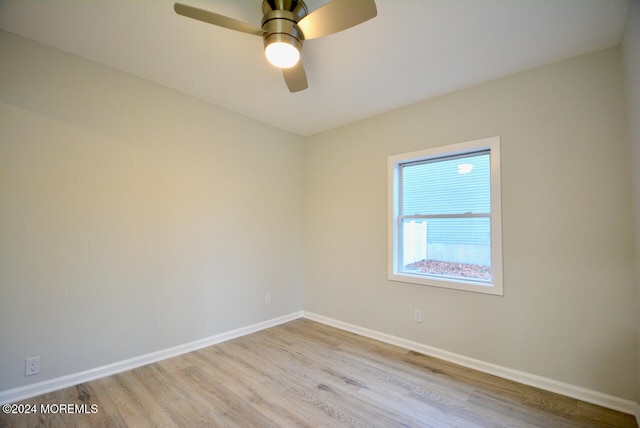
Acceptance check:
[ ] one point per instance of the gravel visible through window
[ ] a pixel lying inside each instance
(451, 269)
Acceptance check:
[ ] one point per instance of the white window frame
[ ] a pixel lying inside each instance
(494, 287)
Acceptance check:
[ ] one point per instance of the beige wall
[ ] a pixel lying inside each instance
(569, 309)
(631, 62)
(133, 218)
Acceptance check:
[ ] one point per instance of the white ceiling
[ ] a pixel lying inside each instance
(413, 50)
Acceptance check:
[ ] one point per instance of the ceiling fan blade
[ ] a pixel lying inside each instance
(295, 77)
(215, 19)
(336, 16)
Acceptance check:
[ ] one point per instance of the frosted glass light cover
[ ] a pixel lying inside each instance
(282, 55)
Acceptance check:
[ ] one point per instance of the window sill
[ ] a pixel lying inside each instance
(455, 284)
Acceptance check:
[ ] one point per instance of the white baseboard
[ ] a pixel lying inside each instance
(33, 390)
(590, 396)
(577, 392)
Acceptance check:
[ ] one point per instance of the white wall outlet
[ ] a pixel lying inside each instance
(417, 315)
(32, 366)
(267, 299)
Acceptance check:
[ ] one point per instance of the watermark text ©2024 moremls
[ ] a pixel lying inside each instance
(55, 408)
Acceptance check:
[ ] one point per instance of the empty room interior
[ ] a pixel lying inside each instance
(180, 217)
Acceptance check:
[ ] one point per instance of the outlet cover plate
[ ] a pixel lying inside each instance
(32, 366)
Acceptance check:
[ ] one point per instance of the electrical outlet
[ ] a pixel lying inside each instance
(267, 299)
(32, 366)
(417, 315)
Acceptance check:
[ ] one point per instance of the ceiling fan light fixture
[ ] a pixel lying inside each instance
(282, 55)
(282, 50)
(286, 24)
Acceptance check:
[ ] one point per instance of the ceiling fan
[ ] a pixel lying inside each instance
(286, 24)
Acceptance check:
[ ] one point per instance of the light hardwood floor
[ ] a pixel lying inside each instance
(307, 374)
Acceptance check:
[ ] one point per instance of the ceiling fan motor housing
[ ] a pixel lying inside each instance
(297, 7)
(280, 22)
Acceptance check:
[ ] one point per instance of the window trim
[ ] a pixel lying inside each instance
(492, 144)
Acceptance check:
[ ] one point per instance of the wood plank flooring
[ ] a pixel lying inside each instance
(305, 374)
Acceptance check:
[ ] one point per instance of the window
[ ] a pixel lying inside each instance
(444, 217)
